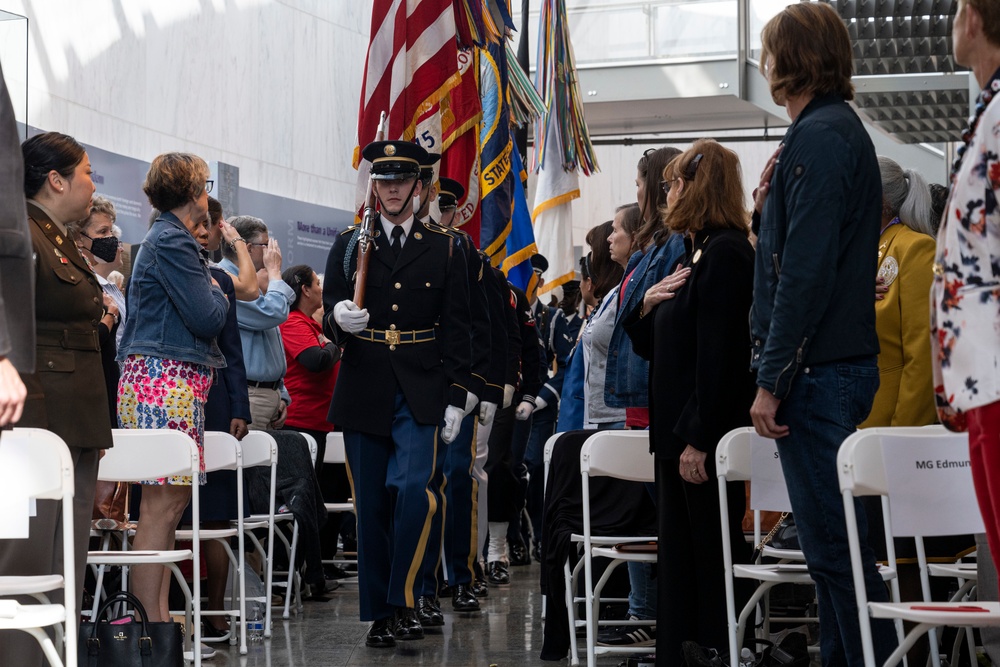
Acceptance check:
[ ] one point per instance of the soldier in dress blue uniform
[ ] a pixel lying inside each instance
(402, 390)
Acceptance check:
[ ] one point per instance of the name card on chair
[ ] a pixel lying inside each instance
(15, 505)
(767, 488)
(914, 464)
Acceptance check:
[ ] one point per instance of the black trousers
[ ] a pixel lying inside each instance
(690, 576)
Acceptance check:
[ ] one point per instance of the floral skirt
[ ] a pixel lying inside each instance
(164, 393)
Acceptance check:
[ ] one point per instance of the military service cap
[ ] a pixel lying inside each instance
(450, 192)
(394, 160)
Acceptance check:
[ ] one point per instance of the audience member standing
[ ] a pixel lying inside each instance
(169, 350)
(692, 327)
(64, 393)
(905, 394)
(17, 320)
(966, 310)
(259, 320)
(813, 318)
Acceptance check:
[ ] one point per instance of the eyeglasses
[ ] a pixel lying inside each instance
(665, 185)
(208, 187)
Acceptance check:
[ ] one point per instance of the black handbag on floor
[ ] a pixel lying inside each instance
(129, 641)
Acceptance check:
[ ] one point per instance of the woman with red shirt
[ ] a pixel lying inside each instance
(312, 361)
(310, 357)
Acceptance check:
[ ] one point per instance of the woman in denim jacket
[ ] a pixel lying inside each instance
(176, 310)
(627, 380)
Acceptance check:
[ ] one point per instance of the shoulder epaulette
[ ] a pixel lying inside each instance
(438, 229)
(352, 228)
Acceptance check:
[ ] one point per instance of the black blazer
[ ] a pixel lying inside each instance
(228, 398)
(427, 288)
(698, 343)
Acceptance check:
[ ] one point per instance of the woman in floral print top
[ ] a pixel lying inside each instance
(965, 296)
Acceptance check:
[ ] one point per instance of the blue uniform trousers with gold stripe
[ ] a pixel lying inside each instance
(459, 492)
(391, 479)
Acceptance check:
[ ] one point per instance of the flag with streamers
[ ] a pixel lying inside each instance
(461, 112)
(411, 66)
(562, 146)
(520, 244)
(496, 178)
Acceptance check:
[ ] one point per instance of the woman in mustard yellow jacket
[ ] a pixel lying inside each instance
(906, 256)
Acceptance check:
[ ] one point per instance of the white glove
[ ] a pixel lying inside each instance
(524, 410)
(540, 403)
(349, 317)
(487, 411)
(452, 424)
(508, 395)
(471, 401)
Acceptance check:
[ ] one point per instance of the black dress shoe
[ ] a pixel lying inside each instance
(380, 634)
(463, 599)
(444, 590)
(519, 554)
(497, 574)
(406, 625)
(479, 587)
(429, 614)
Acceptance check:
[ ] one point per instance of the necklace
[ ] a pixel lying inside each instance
(983, 101)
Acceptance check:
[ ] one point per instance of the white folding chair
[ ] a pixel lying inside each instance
(140, 454)
(550, 444)
(927, 490)
(335, 454)
(37, 465)
(292, 582)
(622, 455)
(261, 450)
(742, 455)
(223, 452)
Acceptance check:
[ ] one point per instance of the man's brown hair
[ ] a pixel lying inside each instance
(806, 50)
(712, 197)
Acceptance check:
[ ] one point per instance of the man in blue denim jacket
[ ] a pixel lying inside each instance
(813, 316)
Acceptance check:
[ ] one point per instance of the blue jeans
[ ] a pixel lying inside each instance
(642, 593)
(824, 406)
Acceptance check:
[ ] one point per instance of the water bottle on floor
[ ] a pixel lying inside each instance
(255, 624)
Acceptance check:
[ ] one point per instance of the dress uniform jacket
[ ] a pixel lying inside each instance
(65, 394)
(496, 299)
(906, 380)
(479, 312)
(425, 289)
(17, 304)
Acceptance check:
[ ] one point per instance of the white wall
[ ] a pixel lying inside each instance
(270, 86)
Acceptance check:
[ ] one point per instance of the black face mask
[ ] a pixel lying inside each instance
(104, 248)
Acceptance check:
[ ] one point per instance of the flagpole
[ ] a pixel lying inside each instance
(521, 133)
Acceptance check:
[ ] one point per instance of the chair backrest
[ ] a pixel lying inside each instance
(550, 445)
(313, 446)
(742, 455)
(35, 463)
(141, 454)
(924, 471)
(222, 452)
(259, 449)
(335, 452)
(618, 453)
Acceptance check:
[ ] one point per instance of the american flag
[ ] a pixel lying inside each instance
(411, 65)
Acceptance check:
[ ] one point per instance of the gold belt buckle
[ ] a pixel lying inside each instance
(392, 337)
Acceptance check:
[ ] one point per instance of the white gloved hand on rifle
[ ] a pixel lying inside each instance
(471, 401)
(349, 317)
(452, 424)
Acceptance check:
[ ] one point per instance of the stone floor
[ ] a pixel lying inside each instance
(507, 632)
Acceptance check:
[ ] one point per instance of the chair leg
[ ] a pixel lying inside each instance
(574, 654)
(291, 585)
(48, 648)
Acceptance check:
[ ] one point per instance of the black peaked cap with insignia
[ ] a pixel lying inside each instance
(394, 160)
(427, 166)
(450, 192)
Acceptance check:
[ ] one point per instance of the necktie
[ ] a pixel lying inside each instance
(397, 241)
